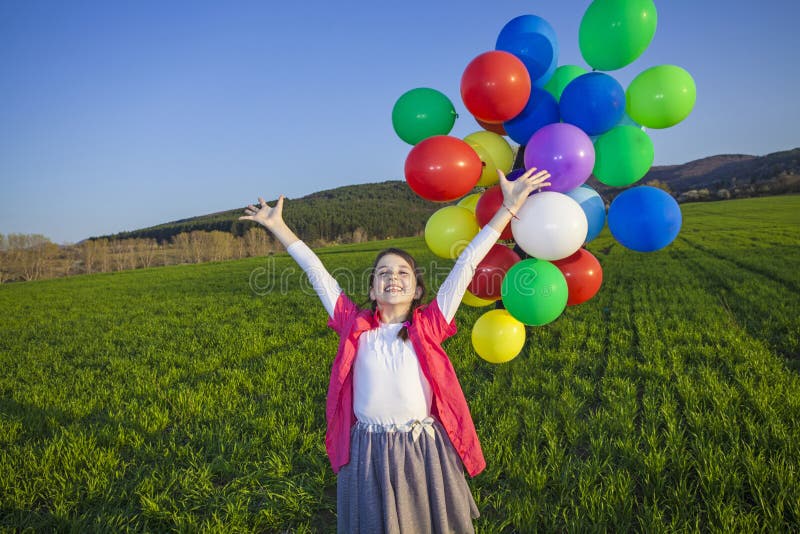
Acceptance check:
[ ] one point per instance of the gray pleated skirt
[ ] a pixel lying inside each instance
(403, 480)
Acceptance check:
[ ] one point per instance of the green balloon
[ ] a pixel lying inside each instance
(561, 78)
(534, 292)
(661, 96)
(622, 156)
(421, 113)
(613, 33)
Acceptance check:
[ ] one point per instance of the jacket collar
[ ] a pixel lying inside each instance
(367, 320)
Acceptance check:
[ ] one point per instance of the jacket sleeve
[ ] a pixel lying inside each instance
(435, 323)
(344, 313)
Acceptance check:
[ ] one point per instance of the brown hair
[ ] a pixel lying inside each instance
(403, 333)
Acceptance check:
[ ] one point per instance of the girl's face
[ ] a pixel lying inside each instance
(394, 283)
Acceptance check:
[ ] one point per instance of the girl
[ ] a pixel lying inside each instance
(399, 429)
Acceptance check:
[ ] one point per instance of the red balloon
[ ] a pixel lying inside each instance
(496, 127)
(491, 200)
(583, 273)
(495, 86)
(442, 168)
(489, 273)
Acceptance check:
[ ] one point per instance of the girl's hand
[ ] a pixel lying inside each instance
(515, 193)
(270, 218)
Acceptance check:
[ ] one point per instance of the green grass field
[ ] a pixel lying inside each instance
(191, 398)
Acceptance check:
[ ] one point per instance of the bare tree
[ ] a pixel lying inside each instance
(5, 272)
(183, 247)
(221, 244)
(130, 246)
(89, 255)
(199, 246)
(31, 253)
(103, 255)
(116, 250)
(257, 242)
(147, 251)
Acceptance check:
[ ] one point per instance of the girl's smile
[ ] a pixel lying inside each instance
(394, 286)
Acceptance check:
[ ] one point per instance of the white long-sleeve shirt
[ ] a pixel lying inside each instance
(389, 387)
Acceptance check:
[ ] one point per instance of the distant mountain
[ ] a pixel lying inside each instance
(391, 209)
(375, 211)
(728, 171)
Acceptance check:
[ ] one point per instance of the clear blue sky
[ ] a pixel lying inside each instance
(118, 115)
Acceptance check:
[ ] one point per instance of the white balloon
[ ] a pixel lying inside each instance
(550, 226)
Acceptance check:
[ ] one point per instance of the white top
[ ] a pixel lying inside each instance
(388, 384)
(389, 387)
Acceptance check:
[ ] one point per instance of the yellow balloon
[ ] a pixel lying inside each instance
(476, 302)
(449, 230)
(497, 337)
(470, 201)
(495, 153)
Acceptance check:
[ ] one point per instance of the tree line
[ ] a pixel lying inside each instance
(25, 257)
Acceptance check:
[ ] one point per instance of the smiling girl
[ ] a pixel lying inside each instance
(399, 432)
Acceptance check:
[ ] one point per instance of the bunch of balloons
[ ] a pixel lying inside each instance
(569, 121)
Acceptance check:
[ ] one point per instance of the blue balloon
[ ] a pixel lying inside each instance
(516, 173)
(533, 41)
(594, 102)
(593, 206)
(644, 218)
(541, 110)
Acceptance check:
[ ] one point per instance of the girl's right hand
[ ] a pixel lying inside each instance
(270, 218)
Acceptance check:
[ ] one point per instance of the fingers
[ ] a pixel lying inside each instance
(541, 176)
(536, 179)
(251, 211)
(535, 174)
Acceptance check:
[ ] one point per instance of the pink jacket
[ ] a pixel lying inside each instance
(427, 331)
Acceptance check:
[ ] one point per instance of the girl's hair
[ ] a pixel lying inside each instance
(403, 333)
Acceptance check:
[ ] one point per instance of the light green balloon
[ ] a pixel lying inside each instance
(661, 96)
(613, 33)
(622, 156)
(534, 292)
(561, 78)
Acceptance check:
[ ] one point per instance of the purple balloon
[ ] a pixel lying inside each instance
(565, 151)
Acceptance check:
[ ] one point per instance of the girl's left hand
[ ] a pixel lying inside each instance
(515, 193)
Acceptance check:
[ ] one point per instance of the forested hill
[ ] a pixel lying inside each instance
(376, 211)
(391, 209)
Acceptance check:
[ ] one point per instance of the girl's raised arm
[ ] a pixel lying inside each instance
(514, 195)
(325, 285)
